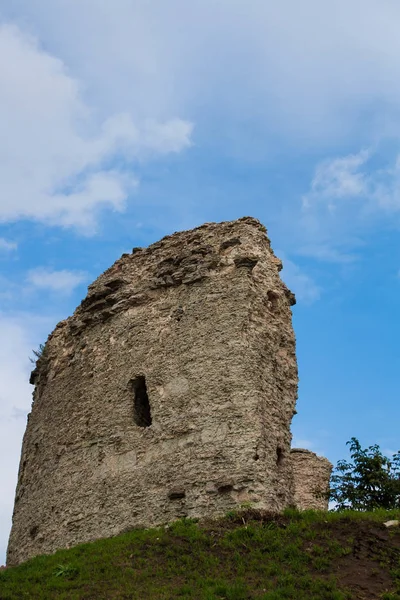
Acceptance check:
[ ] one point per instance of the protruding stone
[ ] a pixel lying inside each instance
(393, 523)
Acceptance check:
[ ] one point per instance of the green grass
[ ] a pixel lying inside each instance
(298, 556)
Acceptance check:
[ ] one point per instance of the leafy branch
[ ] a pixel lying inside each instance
(370, 481)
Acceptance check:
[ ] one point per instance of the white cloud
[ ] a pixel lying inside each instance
(54, 151)
(278, 63)
(316, 443)
(303, 286)
(348, 196)
(7, 246)
(323, 252)
(63, 281)
(302, 443)
(338, 178)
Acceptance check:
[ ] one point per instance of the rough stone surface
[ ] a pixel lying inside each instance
(311, 475)
(168, 393)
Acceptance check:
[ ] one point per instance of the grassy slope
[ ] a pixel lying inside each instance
(300, 556)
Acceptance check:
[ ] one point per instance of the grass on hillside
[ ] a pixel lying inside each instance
(297, 556)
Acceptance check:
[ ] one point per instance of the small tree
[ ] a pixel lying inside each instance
(37, 354)
(370, 481)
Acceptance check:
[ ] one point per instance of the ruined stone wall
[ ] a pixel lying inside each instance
(311, 475)
(199, 321)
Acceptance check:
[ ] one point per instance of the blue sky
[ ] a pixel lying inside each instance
(122, 122)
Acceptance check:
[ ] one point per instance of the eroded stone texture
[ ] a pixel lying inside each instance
(311, 475)
(168, 393)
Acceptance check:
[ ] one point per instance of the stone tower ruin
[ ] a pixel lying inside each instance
(169, 393)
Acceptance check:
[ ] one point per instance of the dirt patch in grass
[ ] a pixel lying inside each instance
(361, 554)
(371, 557)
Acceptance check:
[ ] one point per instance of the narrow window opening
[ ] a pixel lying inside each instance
(273, 300)
(279, 456)
(225, 488)
(34, 531)
(141, 405)
(177, 494)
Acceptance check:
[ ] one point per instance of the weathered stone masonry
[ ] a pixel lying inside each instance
(168, 393)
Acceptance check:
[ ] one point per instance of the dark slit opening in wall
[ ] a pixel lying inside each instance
(141, 404)
(273, 298)
(279, 456)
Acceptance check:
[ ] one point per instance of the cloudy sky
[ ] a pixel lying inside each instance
(124, 121)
